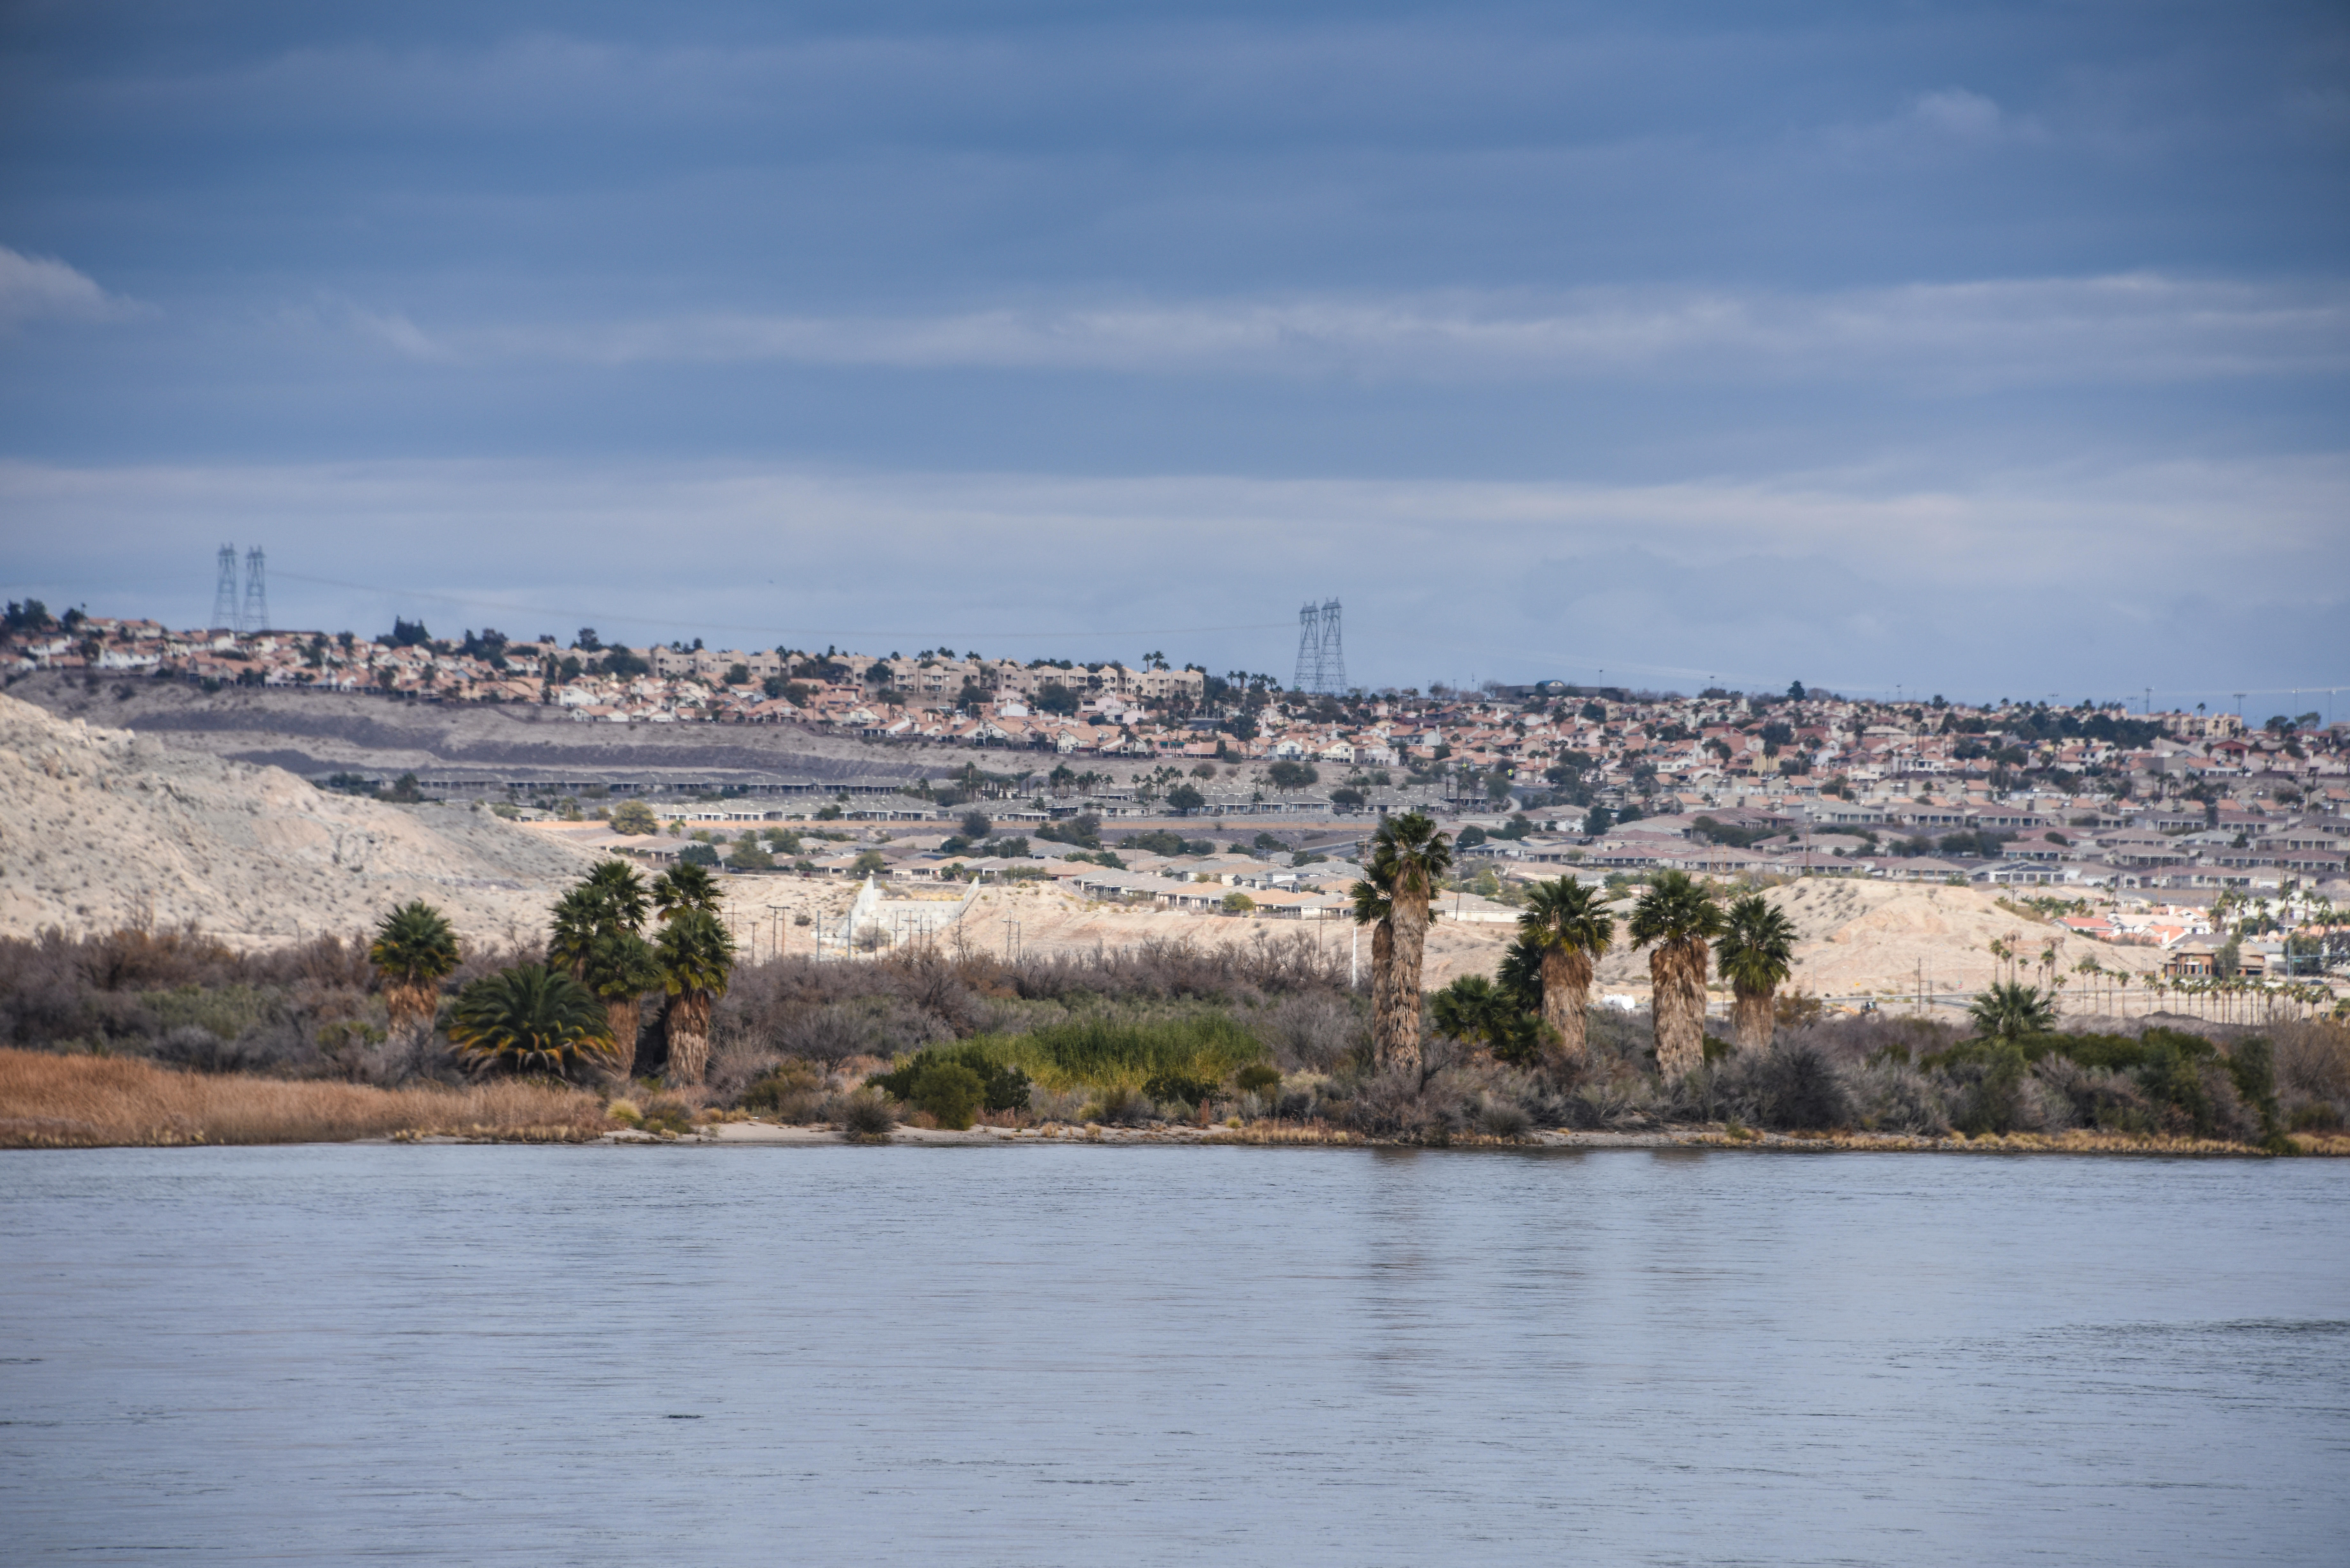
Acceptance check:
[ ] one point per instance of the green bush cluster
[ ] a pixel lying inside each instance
(953, 1082)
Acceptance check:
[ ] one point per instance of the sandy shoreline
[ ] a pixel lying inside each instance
(772, 1134)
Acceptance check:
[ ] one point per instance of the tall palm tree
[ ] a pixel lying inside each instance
(697, 957)
(2011, 1010)
(620, 888)
(1756, 952)
(1675, 918)
(621, 967)
(685, 886)
(1569, 924)
(1409, 859)
(1374, 907)
(598, 932)
(413, 949)
(532, 1018)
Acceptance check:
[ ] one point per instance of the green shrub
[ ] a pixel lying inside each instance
(1166, 1087)
(949, 1092)
(1002, 1086)
(1258, 1078)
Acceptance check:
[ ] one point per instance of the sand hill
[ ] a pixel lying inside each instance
(100, 827)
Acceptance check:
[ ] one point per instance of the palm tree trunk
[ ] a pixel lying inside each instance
(1756, 1018)
(409, 1012)
(624, 1015)
(1677, 978)
(1566, 992)
(1401, 1046)
(688, 1038)
(1382, 989)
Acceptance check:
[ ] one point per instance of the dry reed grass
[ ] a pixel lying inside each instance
(90, 1102)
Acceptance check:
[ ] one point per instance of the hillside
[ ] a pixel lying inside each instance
(315, 732)
(100, 827)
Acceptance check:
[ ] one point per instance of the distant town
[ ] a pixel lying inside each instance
(1600, 780)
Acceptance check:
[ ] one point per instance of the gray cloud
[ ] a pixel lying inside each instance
(1955, 336)
(41, 288)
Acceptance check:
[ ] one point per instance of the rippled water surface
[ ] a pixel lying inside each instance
(1105, 1356)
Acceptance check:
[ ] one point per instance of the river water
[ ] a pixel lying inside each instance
(1144, 1356)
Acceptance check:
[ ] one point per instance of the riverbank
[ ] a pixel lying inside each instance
(95, 1101)
(2076, 1142)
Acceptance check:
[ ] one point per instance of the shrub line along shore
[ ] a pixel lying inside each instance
(49, 1101)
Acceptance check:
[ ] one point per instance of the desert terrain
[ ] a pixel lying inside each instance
(102, 826)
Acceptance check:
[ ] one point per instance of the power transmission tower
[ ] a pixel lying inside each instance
(1321, 657)
(1309, 649)
(1334, 653)
(256, 594)
(224, 591)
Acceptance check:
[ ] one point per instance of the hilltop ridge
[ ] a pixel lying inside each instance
(102, 828)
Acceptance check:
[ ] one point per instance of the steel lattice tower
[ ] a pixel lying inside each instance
(1309, 649)
(1321, 656)
(256, 594)
(1333, 652)
(224, 602)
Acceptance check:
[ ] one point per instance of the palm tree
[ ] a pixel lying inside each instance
(1677, 917)
(598, 933)
(621, 967)
(620, 888)
(696, 957)
(1756, 952)
(413, 949)
(1374, 907)
(1409, 859)
(2011, 1010)
(685, 886)
(532, 1018)
(1474, 1008)
(1569, 925)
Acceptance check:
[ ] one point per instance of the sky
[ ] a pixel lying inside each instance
(1991, 350)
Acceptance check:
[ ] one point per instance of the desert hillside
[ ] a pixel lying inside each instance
(100, 827)
(1854, 938)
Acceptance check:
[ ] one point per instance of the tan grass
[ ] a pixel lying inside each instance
(86, 1102)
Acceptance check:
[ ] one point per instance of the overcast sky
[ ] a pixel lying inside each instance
(1997, 350)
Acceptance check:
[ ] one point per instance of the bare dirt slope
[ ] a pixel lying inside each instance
(1854, 938)
(100, 827)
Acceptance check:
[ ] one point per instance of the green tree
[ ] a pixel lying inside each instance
(1184, 798)
(1238, 903)
(1756, 953)
(634, 817)
(1474, 1008)
(749, 855)
(413, 951)
(598, 934)
(697, 960)
(2011, 1011)
(1569, 924)
(1677, 918)
(685, 887)
(530, 1019)
(1285, 775)
(1409, 859)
